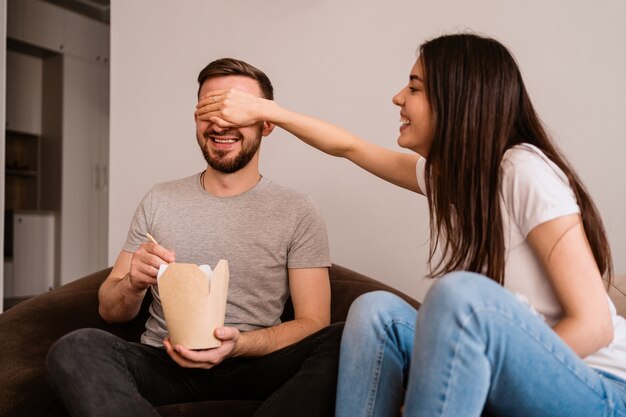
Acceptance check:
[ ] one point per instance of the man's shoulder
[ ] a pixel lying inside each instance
(274, 187)
(284, 193)
(176, 186)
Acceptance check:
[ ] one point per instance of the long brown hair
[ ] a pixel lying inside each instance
(481, 109)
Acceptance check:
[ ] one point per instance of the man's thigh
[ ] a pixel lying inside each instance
(258, 378)
(161, 381)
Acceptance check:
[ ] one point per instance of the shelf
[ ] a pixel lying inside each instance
(21, 172)
(21, 133)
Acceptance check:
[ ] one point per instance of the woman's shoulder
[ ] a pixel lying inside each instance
(534, 189)
(522, 154)
(528, 161)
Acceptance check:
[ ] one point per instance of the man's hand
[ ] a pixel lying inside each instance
(145, 264)
(208, 358)
(121, 294)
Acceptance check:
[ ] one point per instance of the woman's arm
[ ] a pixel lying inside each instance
(562, 247)
(228, 108)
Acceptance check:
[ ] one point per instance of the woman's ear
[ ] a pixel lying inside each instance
(267, 128)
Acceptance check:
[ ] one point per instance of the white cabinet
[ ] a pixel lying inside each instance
(51, 27)
(36, 22)
(68, 90)
(86, 38)
(23, 92)
(84, 199)
(101, 170)
(33, 254)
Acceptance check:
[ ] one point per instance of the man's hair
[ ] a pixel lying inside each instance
(230, 66)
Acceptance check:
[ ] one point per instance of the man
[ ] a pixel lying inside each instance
(276, 245)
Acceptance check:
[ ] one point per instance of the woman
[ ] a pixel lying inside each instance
(539, 336)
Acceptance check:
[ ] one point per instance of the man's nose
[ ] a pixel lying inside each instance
(215, 128)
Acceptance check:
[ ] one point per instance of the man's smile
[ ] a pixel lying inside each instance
(223, 139)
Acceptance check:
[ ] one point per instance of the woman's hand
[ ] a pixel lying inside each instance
(234, 108)
(228, 108)
(207, 358)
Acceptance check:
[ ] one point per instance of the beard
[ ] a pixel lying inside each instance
(219, 160)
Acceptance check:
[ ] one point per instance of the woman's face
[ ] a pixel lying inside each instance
(416, 130)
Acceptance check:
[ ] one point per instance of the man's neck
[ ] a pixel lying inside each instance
(227, 185)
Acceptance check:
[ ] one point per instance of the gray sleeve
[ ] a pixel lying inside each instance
(139, 224)
(309, 244)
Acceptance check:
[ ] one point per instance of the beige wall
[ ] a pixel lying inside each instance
(343, 61)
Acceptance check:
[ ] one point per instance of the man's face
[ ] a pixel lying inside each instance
(229, 150)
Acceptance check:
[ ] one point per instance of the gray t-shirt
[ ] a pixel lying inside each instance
(261, 232)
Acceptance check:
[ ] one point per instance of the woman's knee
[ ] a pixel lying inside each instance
(459, 290)
(380, 308)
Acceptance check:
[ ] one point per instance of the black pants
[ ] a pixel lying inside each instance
(98, 374)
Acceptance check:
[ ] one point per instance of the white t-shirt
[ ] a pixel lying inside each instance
(534, 191)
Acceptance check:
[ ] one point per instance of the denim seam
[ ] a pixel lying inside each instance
(121, 359)
(374, 386)
(450, 369)
(377, 371)
(172, 365)
(473, 315)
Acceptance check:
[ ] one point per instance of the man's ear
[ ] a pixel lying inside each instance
(267, 128)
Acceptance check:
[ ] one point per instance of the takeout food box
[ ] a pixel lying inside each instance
(194, 302)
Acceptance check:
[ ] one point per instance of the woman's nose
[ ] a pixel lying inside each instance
(398, 99)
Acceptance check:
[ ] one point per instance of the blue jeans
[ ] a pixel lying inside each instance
(96, 373)
(473, 347)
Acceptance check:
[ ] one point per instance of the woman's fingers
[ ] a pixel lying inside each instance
(211, 97)
(228, 108)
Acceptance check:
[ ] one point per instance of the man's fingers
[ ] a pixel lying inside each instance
(227, 333)
(161, 253)
(176, 357)
(145, 264)
(189, 358)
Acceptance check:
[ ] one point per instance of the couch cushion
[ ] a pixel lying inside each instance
(29, 329)
(346, 285)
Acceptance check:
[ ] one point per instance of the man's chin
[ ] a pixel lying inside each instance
(228, 162)
(227, 166)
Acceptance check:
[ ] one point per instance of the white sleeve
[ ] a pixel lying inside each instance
(535, 190)
(420, 170)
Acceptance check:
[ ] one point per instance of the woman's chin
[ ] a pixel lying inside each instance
(402, 142)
